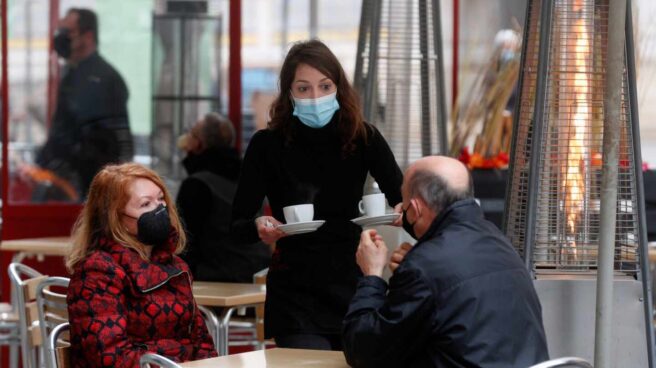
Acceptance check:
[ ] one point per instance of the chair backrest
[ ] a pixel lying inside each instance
(59, 356)
(260, 278)
(25, 281)
(51, 306)
(572, 362)
(147, 359)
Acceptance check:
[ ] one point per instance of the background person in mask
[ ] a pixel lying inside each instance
(205, 205)
(90, 126)
(129, 292)
(461, 297)
(317, 149)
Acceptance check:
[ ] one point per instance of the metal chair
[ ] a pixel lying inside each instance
(25, 280)
(52, 307)
(58, 356)
(212, 323)
(147, 359)
(573, 362)
(10, 332)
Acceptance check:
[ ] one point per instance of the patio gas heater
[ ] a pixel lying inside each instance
(399, 74)
(554, 200)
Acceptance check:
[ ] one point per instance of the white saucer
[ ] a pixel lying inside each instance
(385, 219)
(301, 227)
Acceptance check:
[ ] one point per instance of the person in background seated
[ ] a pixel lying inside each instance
(130, 293)
(461, 297)
(205, 205)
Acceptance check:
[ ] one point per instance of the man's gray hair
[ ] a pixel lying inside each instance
(435, 191)
(217, 131)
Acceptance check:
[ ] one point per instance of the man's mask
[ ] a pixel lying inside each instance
(62, 43)
(407, 225)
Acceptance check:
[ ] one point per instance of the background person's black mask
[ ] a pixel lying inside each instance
(62, 43)
(153, 227)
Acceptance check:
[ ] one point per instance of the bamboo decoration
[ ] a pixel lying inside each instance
(480, 116)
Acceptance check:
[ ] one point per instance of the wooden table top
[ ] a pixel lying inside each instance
(52, 246)
(224, 294)
(272, 358)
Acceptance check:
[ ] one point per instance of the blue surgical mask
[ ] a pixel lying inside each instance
(316, 112)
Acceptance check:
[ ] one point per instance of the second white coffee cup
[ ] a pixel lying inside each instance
(372, 205)
(298, 213)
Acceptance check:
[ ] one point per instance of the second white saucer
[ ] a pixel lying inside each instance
(301, 227)
(385, 219)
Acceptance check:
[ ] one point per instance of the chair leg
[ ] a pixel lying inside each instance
(13, 355)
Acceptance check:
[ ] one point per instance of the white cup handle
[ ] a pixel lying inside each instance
(296, 216)
(361, 207)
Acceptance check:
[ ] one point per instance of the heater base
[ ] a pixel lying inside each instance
(568, 312)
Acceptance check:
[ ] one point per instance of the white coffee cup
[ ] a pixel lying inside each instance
(299, 213)
(372, 205)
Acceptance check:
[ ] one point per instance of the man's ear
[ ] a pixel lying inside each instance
(418, 205)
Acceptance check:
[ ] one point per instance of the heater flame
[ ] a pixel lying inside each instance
(577, 152)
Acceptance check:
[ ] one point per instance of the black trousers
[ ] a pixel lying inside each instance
(310, 341)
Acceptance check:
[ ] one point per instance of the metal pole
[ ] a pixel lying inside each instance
(314, 21)
(442, 141)
(455, 57)
(546, 11)
(177, 125)
(425, 85)
(370, 82)
(643, 272)
(363, 37)
(515, 129)
(285, 27)
(608, 209)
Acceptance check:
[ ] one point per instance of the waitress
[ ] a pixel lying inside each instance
(316, 149)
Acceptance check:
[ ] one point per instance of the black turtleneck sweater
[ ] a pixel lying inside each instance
(312, 276)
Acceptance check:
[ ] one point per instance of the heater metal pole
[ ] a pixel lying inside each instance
(608, 210)
(546, 12)
(643, 251)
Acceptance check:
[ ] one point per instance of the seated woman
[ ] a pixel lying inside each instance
(130, 293)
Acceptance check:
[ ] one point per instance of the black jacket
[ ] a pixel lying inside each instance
(462, 297)
(312, 276)
(90, 126)
(205, 204)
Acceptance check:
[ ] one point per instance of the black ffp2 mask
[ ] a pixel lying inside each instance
(153, 227)
(62, 43)
(407, 226)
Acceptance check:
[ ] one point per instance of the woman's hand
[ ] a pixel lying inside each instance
(267, 229)
(398, 209)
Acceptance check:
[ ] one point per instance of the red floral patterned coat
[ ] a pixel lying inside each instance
(121, 307)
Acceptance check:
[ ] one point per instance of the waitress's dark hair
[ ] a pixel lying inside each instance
(316, 54)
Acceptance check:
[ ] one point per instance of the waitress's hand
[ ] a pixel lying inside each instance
(398, 209)
(267, 229)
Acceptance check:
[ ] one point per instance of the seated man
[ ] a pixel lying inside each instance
(205, 204)
(461, 297)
